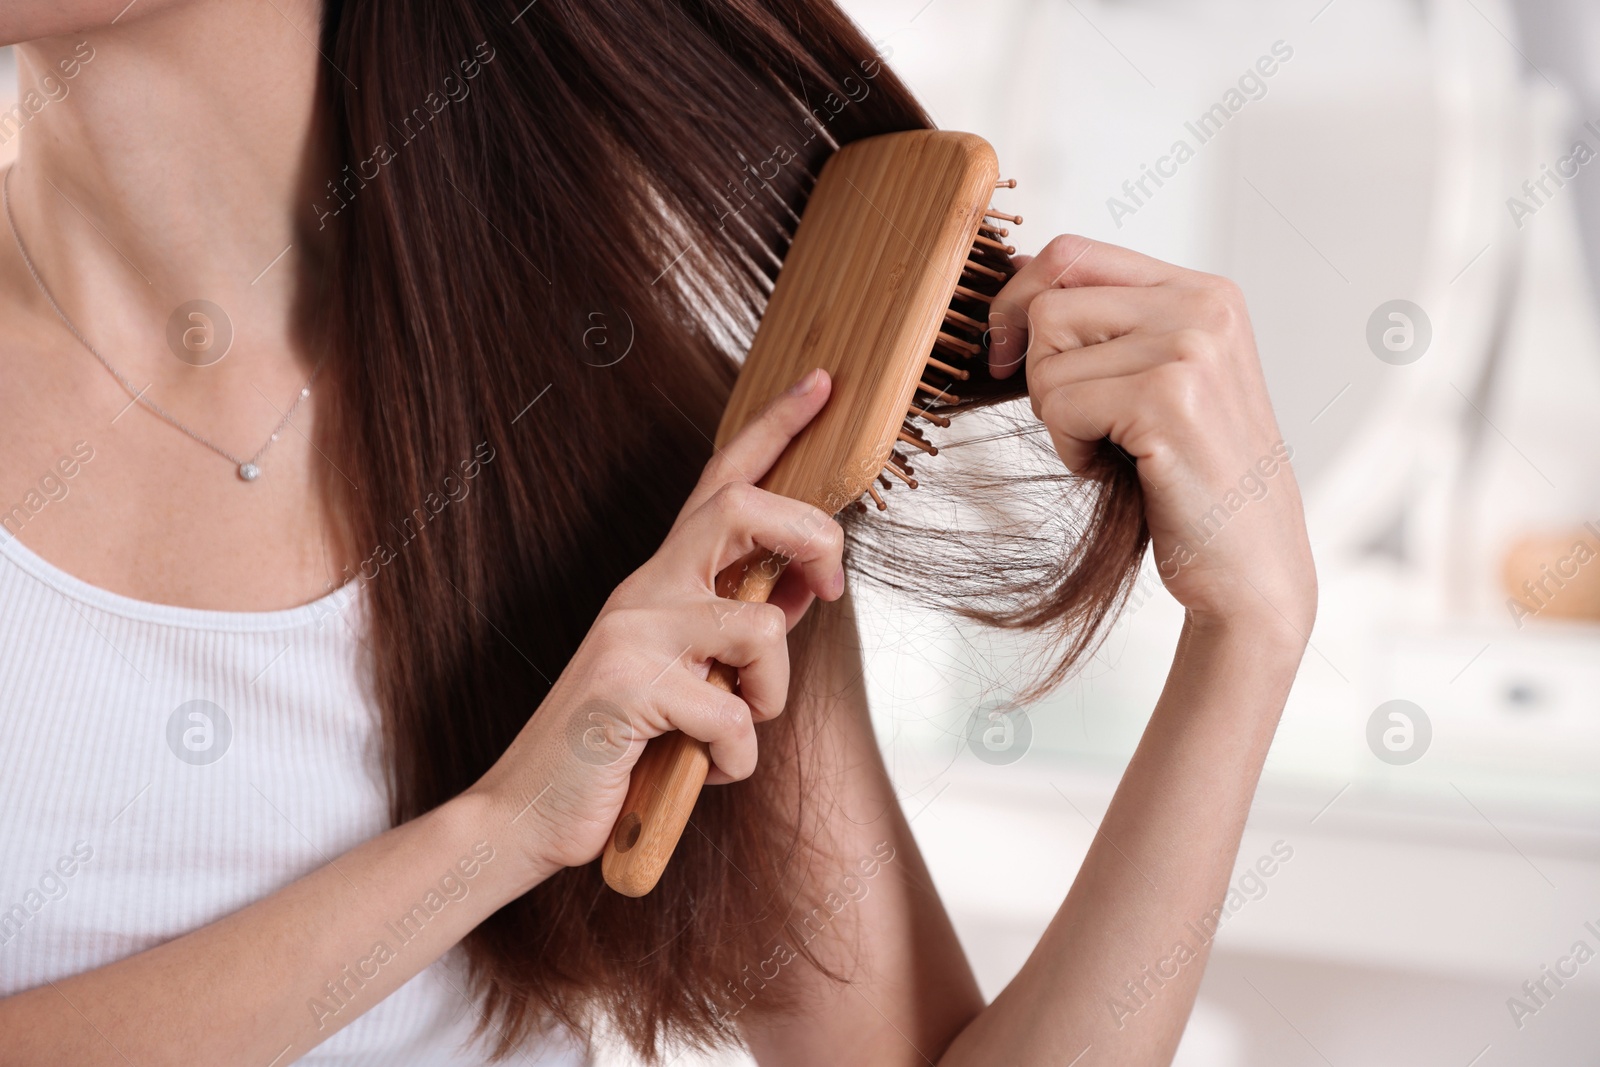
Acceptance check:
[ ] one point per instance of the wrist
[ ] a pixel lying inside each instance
(516, 823)
(1265, 635)
(481, 823)
(1275, 611)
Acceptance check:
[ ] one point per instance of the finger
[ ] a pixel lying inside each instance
(709, 714)
(1050, 368)
(751, 452)
(749, 637)
(1063, 319)
(792, 596)
(740, 518)
(1075, 433)
(1067, 261)
(1127, 409)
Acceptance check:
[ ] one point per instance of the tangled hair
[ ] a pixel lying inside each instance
(510, 184)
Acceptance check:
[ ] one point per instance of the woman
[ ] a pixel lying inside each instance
(313, 589)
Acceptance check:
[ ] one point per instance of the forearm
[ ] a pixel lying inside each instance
(269, 982)
(1162, 861)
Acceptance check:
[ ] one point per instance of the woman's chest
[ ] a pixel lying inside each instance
(164, 767)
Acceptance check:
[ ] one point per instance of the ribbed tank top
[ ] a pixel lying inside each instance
(161, 767)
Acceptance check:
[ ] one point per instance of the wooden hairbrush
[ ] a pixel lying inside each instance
(886, 286)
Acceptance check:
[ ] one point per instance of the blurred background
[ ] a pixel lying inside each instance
(1408, 203)
(1446, 849)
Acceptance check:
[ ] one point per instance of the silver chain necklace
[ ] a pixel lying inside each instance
(249, 469)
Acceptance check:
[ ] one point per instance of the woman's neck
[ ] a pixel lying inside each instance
(197, 184)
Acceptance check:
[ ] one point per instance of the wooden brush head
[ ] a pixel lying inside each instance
(866, 293)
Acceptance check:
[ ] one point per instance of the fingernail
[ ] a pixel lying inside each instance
(807, 382)
(838, 581)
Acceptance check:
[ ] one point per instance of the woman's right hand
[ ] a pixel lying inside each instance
(641, 670)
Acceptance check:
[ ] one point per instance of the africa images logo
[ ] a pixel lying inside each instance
(1399, 732)
(999, 734)
(199, 732)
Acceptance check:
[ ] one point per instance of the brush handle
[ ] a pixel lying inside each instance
(670, 773)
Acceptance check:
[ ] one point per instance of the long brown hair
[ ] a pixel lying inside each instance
(556, 228)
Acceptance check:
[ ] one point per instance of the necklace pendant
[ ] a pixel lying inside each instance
(249, 471)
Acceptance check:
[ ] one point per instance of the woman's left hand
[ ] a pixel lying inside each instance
(1163, 361)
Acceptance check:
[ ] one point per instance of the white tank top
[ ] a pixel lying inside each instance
(161, 767)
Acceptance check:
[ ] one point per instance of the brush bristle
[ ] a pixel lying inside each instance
(961, 342)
